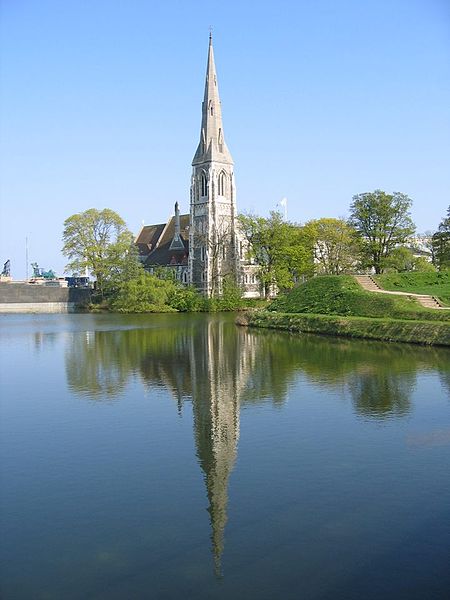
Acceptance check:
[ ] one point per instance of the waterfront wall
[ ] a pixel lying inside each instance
(31, 298)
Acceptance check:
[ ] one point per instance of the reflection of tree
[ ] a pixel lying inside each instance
(380, 394)
(96, 363)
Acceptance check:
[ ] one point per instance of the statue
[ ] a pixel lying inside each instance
(7, 269)
(39, 272)
(36, 270)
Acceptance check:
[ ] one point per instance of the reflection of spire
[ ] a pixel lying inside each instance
(216, 386)
(229, 362)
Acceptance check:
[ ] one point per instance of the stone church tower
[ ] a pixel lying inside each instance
(205, 247)
(213, 252)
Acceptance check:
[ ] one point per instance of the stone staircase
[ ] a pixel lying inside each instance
(427, 301)
(369, 284)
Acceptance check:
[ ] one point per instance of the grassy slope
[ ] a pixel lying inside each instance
(435, 284)
(391, 330)
(341, 295)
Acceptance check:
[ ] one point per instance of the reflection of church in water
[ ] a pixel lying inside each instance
(214, 372)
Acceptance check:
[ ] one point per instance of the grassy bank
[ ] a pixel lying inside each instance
(338, 306)
(435, 284)
(390, 330)
(342, 295)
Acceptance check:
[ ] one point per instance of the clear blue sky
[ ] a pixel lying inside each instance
(101, 107)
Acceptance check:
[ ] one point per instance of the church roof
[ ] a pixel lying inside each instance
(148, 237)
(160, 253)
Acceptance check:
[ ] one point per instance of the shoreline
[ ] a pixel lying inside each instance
(425, 333)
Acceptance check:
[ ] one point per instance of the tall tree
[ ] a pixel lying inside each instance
(281, 250)
(440, 244)
(336, 245)
(99, 241)
(383, 221)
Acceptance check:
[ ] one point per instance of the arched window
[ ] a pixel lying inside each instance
(211, 108)
(222, 183)
(204, 184)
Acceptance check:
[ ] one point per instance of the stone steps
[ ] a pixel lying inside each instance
(427, 301)
(369, 284)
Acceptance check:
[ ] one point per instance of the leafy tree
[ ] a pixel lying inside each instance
(99, 241)
(282, 250)
(144, 293)
(186, 299)
(423, 265)
(231, 297)
(440, 244)
(383, 222)
(336, 245)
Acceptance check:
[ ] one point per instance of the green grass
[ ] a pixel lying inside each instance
(435, 284)
(342, 295)
(392, 330)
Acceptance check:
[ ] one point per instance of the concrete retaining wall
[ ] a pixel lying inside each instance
(39, 307)
(29, 298)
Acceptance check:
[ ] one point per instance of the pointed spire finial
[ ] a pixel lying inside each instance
(211, 133)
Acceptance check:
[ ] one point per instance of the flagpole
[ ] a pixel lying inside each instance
(283, 203)
(26, 258)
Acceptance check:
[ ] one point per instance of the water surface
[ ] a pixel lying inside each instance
(178, 456)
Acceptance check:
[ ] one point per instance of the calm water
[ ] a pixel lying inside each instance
(182, 457)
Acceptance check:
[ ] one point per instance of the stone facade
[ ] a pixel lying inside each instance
(206, 247)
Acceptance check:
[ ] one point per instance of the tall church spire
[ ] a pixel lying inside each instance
(212, 144)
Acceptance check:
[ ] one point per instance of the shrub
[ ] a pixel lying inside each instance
(145, 293)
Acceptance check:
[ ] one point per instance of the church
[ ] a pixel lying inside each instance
(205, 247)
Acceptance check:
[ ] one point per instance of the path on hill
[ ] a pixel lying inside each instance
(369, 284)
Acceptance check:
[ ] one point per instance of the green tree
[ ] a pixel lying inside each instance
(383, 221)
(282, 250)
(440, 244)
(336, 245)
(144, 293)
(401, 260)
(99, 241)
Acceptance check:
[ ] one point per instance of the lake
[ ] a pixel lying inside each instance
(180, 456)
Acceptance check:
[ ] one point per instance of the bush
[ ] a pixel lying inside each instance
(186, 299)
(145, 293)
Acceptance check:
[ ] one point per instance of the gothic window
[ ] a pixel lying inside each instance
(211, 108)
(220, 140)
(222, 183)
(224, 252)
(185, 277)
(204, 184)
(202, 253)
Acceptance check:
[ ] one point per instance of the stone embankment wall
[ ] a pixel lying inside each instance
(32, 298)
